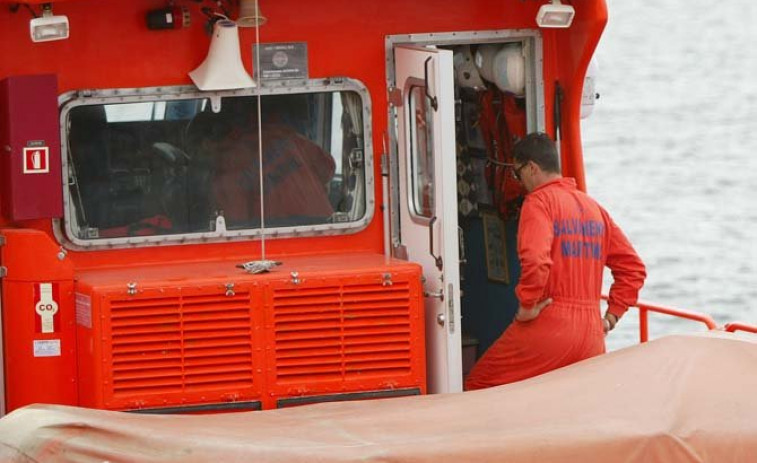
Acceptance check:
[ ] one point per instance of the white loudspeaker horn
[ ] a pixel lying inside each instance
(222, 68)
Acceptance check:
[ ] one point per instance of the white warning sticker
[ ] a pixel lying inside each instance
(46, 307)
(47, 348)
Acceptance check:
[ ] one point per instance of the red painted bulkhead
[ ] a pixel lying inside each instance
(111, 47)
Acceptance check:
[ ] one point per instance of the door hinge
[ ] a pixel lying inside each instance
(2, 240)
(439, 294)
(395, 96)
(451, 308)
(399, 251)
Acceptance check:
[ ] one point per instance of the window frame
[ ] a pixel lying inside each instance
(415, 172)
(64, 228)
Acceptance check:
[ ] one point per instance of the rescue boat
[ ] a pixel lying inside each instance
(229, 205)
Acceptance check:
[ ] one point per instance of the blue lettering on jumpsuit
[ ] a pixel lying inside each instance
(579, 238)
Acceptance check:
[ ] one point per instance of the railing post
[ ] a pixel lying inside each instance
(644, 310)
(643, 324)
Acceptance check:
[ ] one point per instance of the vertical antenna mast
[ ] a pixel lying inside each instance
(260, 140)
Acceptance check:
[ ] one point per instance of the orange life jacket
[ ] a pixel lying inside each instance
(502, 124)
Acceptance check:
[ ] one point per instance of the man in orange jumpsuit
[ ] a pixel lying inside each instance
(296, 173)
(565, 239)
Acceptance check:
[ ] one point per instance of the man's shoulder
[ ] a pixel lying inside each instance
(557, 195)
(554, 189)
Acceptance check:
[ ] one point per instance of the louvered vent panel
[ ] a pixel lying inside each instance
(377, 330)
(180, 344)
(342, 332)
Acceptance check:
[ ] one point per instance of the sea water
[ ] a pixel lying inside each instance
(671, 152)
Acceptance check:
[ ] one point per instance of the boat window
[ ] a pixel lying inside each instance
(192, 166)
(421, 152)
(154, 110)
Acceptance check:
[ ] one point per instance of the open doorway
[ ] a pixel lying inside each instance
(497, 93)
(492, 115)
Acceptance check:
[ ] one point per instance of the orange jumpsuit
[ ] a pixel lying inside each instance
(296, 173)
(565, 239)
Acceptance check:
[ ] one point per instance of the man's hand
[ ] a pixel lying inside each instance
(606, 326)
(609, 321)
(526, 315)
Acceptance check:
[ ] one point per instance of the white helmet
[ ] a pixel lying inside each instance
(466, 73)
(503, 65)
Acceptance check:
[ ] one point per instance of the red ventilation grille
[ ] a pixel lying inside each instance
(342, 332)
(181, 344)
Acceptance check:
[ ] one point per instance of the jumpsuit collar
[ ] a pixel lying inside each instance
(568, 182)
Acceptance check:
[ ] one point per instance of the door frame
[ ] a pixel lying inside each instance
(535, 114)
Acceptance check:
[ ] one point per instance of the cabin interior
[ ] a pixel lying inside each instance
(491, 118)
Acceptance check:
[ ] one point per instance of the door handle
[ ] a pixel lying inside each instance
(434, 101)
(437, 259)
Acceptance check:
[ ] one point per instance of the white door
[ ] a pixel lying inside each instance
(428, 201)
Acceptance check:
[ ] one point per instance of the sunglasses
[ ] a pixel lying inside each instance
(516, 171)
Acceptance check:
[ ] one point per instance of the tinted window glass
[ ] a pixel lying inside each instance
(178, 167)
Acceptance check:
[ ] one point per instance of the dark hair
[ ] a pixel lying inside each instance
(540, 149)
